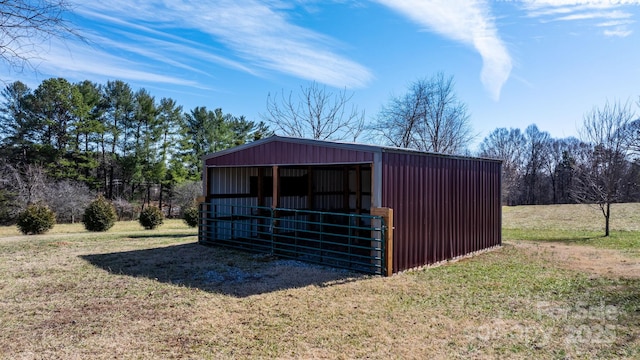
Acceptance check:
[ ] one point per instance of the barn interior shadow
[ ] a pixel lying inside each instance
(219, 270)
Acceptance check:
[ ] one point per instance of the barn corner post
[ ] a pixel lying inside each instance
(387, 216)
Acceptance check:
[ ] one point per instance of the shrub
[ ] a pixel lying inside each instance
(190, 216)
(151, 217)
(36, 219)
(100, 215)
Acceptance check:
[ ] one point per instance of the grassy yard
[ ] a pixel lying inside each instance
(131, 293)
(576, 224)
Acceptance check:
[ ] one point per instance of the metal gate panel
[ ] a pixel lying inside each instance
(351, 241)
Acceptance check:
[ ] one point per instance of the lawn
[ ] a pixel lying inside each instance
(131, 293)
(577, 224)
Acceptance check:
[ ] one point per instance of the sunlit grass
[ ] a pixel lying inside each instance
(161, 296)
(132, 293)
(571, 217)
(576, 224)
(118, 227)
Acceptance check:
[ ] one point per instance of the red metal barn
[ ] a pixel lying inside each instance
(369, 208)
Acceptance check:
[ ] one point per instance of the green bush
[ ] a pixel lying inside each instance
(100, 215)
(36, 219)
(190, 216)
(151, 217)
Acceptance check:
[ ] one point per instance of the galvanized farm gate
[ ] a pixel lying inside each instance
(352, 241)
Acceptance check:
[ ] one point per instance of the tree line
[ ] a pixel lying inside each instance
(601, 167)
(105, 138)
(63, 138)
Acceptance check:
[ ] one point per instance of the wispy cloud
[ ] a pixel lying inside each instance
(255, 37)
(583, 10)
(79, 61)
(618, 32)
(469, 22)
(596, 15)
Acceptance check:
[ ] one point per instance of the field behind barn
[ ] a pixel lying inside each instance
(556, 289)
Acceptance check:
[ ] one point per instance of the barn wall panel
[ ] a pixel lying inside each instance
(444, 207)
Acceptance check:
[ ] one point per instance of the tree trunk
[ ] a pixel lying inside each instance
(607, 216)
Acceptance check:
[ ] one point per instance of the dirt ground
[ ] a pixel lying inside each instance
(601, 262)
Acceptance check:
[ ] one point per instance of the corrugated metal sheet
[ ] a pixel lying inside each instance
(443, 207)
(232, 180)
(289, 153)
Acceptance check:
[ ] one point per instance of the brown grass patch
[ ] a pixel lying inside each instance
(603, 262)
(131, 293)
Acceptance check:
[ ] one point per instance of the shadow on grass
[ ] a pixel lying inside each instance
(562, 236)
(219, 270)
(581, 240)
(157, 236)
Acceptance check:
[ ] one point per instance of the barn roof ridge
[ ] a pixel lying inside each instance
(337, 144)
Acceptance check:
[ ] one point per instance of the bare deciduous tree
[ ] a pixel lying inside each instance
(315, 113)
(186, 193)
(21, 186)
(536, 150)
(68, 199)
(429, 118)
(604, 178)
(124, 209)
(508, 146)
(26, 24)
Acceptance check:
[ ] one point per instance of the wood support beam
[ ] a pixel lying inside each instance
(387, 215)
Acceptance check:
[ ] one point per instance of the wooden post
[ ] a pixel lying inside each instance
(387, 215)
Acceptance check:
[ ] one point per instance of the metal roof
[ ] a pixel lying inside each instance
(335, 145)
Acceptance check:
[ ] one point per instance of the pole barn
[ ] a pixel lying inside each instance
(367, 208)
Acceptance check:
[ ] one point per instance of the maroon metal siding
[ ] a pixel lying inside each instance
(290, 153)
(444, 207)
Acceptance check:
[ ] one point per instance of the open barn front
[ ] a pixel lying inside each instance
(317, 214)
(337, 188)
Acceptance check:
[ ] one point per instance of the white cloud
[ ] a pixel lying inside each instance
(617, 32)
(596, 15)
(615, 23)
(469, 22)
(257, 35)
(582, 10)
(79, 60)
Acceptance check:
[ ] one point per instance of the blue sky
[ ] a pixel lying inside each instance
(514, 62)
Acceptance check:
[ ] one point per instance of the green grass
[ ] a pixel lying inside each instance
(131, 293)
(574, 224)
